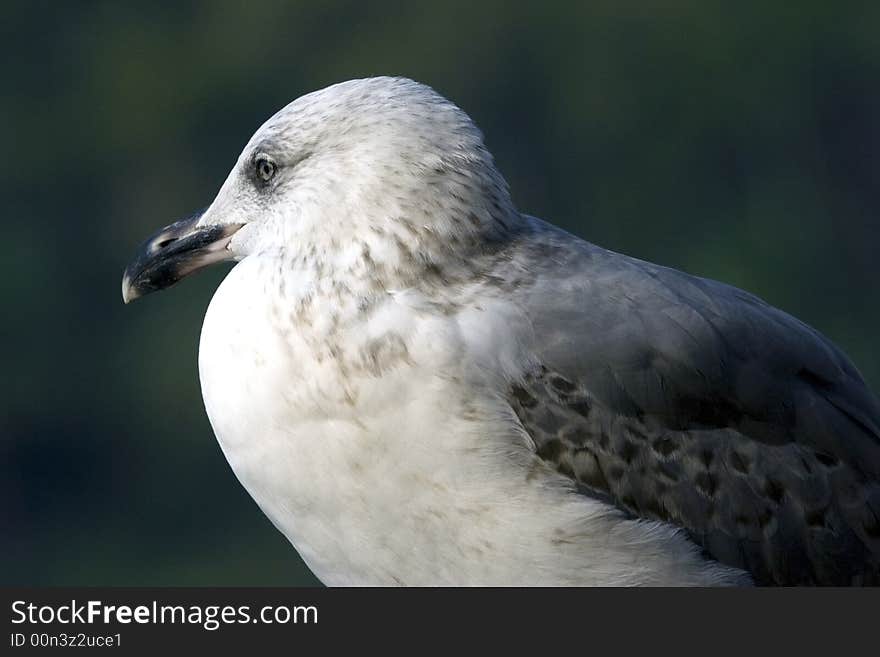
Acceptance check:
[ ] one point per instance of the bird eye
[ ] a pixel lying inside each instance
(265, 168)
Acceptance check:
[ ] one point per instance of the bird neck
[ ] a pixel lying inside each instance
(352, 277)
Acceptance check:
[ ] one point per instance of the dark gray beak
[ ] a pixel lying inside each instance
(173, 253)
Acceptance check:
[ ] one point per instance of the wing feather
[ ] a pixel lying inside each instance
(690, 401)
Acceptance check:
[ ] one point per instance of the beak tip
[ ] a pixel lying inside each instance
(129, 293)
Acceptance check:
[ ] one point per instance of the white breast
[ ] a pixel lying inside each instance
(381, 452)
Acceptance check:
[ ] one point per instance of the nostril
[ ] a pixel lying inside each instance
(165, 242)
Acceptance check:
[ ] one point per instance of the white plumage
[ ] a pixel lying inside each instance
(360, 402)
(420, 385)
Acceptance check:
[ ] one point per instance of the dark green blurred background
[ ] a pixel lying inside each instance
(739, 143)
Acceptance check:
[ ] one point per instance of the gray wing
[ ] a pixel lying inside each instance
(690, 401)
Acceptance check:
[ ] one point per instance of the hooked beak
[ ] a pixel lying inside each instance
(175, 252)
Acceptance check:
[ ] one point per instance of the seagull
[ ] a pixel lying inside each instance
(419, 385)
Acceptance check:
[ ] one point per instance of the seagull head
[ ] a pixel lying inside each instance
(380, 166)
